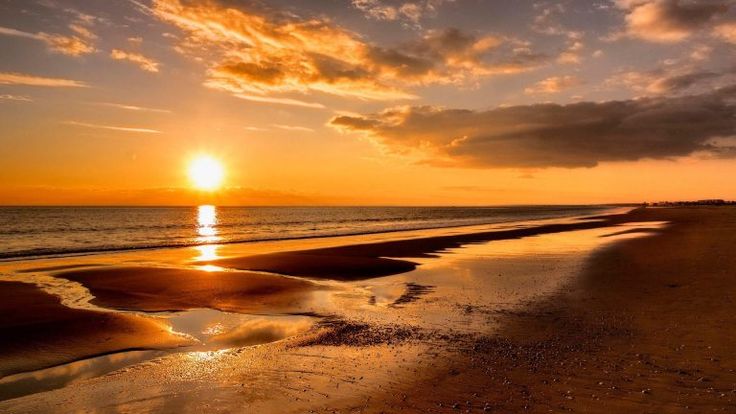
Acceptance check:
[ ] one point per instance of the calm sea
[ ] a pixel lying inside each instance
(38, 231)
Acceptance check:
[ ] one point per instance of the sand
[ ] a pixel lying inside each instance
(646, 329)
(37, 331)
(643, 326)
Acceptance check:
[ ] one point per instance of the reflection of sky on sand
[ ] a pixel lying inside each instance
(207, 252)
(17, 385)
(472, 283)
(215, 329)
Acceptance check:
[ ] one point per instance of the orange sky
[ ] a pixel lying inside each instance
(367, 102)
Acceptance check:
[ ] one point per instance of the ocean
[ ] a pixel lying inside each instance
(27, 232)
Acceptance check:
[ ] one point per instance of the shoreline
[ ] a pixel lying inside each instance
(111, 250)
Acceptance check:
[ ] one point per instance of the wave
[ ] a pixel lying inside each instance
(281, 231)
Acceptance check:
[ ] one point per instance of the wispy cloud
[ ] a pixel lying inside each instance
(147, 64)
(113, 127)
(77, 44)
(292, 128)
(408, 12)
(553, 84)
(7, 97)
(280, 101)
(132, 107)
(7, 31)
(7, 78)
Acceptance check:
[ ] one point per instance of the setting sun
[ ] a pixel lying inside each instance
(206, 173)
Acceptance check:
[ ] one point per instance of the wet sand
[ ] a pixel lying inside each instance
(519, 324)
(368, 260)
(159, 289)
(37, 331)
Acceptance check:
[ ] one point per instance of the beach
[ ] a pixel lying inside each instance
(626, 311)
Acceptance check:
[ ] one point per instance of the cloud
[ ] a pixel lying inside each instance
(7, 31)
(670, 21)
(7, 78)
(554, 84)
(701, 53)
(263, 52)
(113, 128)
(550, 135)
(672, 79)
(80, 42)
(280, 101)
(726, 32)
(133, 107)
(572, 54)
(409, 12)
(677, 83)
(147, 64)
(20, 98)
(292, 128)
(546, 21)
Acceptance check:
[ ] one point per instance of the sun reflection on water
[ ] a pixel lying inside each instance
(206, 222)
(207, 232)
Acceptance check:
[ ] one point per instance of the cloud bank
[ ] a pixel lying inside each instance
(550, 135)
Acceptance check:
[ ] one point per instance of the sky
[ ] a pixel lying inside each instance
(367, 102)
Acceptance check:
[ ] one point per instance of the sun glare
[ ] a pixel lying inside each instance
(206, 173)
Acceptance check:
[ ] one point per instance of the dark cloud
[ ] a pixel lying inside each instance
(550, 135)
(673, 79)
(682, 82)
(670, 20)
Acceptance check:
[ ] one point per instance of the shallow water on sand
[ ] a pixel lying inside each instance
(211, 330)
(465, 287)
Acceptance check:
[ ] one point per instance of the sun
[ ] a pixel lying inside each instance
(206, 173)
